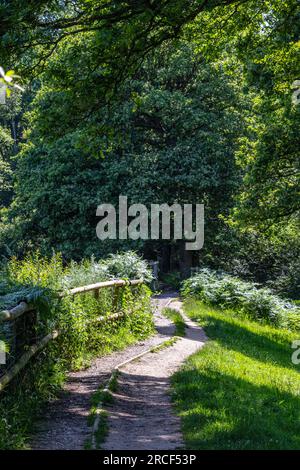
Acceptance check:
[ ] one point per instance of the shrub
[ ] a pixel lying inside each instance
(82, 337)
(226, 291)
(126, 265)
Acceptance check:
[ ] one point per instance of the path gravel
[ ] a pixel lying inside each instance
(64, 423)
(141, 416)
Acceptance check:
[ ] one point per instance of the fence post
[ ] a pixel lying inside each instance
(155, 270)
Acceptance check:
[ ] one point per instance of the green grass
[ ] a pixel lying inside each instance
(241, 391)
(177, 319)
(100, 399)
(164, 345)
(103, 429)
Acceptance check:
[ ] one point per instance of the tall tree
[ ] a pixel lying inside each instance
(270, 152)
(9, 139)
(171, 138)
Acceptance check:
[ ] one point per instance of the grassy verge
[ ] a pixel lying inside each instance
(241, 391)
(165, 344)
(82, 338)
(177, 319)
(101, 398)
(22, 401)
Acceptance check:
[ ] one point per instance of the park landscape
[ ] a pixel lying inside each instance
(135, 342)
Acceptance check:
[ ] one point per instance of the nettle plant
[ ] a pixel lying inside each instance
(127, 265)
(229, 292)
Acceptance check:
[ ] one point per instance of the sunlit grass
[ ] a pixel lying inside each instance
(241, 391)
(173, 315)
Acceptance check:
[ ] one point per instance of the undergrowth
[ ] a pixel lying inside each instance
(82, 337)
(229, 292)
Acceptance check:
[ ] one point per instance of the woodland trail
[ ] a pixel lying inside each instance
(64, 423)
(141, 416)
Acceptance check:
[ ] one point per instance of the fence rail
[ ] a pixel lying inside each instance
(9, 316)
(16, 312)
(103, 285)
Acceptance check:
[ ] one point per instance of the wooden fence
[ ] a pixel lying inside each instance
(25, 310)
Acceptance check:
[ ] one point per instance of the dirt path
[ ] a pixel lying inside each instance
(141, 416)
(64, 424)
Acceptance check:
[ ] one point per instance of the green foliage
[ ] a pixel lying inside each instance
(229, 292)
(271, 259)
(288, 281)
(176, 101)
(126, 87)
(82, 336)
(6, 144)
(269, 150)
(170, 137)
(9, 135)
(270, 191)
(60, 207)
(21, 402)
(127, 265)
(121, 33)
(241, 391)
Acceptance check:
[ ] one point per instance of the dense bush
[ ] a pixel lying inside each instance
(226, 291)
(82, 337)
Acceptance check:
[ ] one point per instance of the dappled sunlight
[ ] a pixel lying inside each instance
(259, 341)
(241, 391)
(225, 411)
